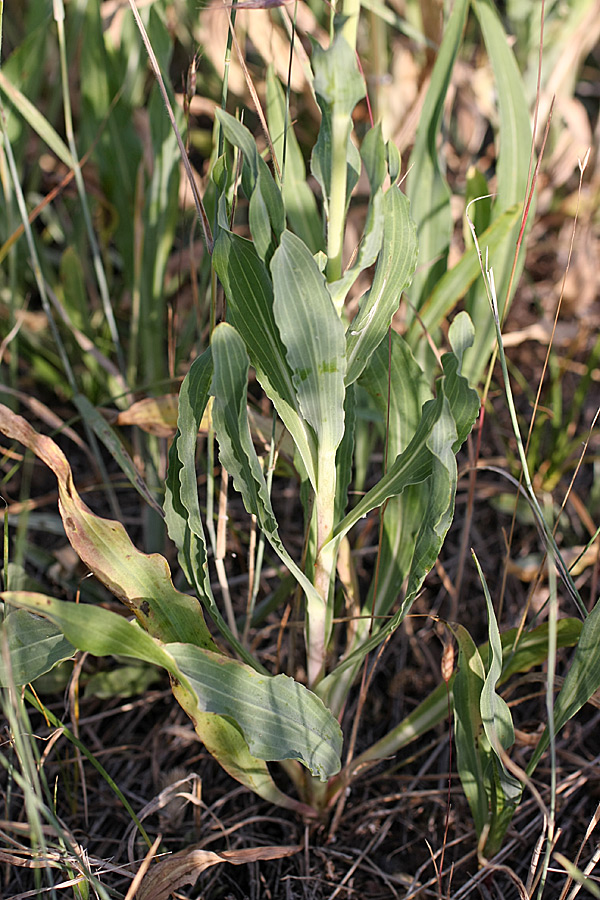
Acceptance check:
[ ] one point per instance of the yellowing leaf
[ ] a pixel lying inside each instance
(141, 581)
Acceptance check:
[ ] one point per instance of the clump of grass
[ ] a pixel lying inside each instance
(331, 375)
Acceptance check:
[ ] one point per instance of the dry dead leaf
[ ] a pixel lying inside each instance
(185, 867)
(154, 415)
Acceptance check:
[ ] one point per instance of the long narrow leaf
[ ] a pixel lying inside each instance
(426, 186)
(495, 713)
(37, 121)
(582, 681)
(182, 506)
(104, 432)
(430, 456)
(513, 164)
(338, 87)
(531, 650)
(313, 335)
(374, 156)
(395, 268)
(454, 283)
(236, 449)
(472, 755)
(266, 211)
(141, 581)
(300, 202)
(249, 293)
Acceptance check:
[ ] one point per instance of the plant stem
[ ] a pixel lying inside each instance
(319, 620)
(340, 129)
(350, 26)
(341, 126)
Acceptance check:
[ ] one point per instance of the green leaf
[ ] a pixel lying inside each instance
(512, 169)
(94, 629)
(313, 335)
(472, 754)
(279, 718)
(395, 268)
(394, 161)
(435, 441)
(391, 375)
(531, 647)
(455, 282)
(37, 121)
(182, 506)
(428, 457)
(368, 251)
(397, 377)
(338, 82)
(236, 449)
(230, 419)
(582, 681)
(425, 185)
(495, 714)
(141, 581)
(373, 155)
(463, 399)
(345, 456)
(34, 645)
(249, 293)
(299, 200)
(266, 211)
(523, 652)
(338, 87)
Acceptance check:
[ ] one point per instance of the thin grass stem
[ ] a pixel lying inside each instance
(55, 721)
(59, 17)
(208, 238)
(548, 536)
(550, 678)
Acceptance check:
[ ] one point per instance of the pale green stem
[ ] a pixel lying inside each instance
(350, 27)
(319, 619)
(340, 129)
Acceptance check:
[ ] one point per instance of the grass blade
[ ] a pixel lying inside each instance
(249, 293)
(141, 581)
(426, 186)
(395, 268)
(313, 335)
